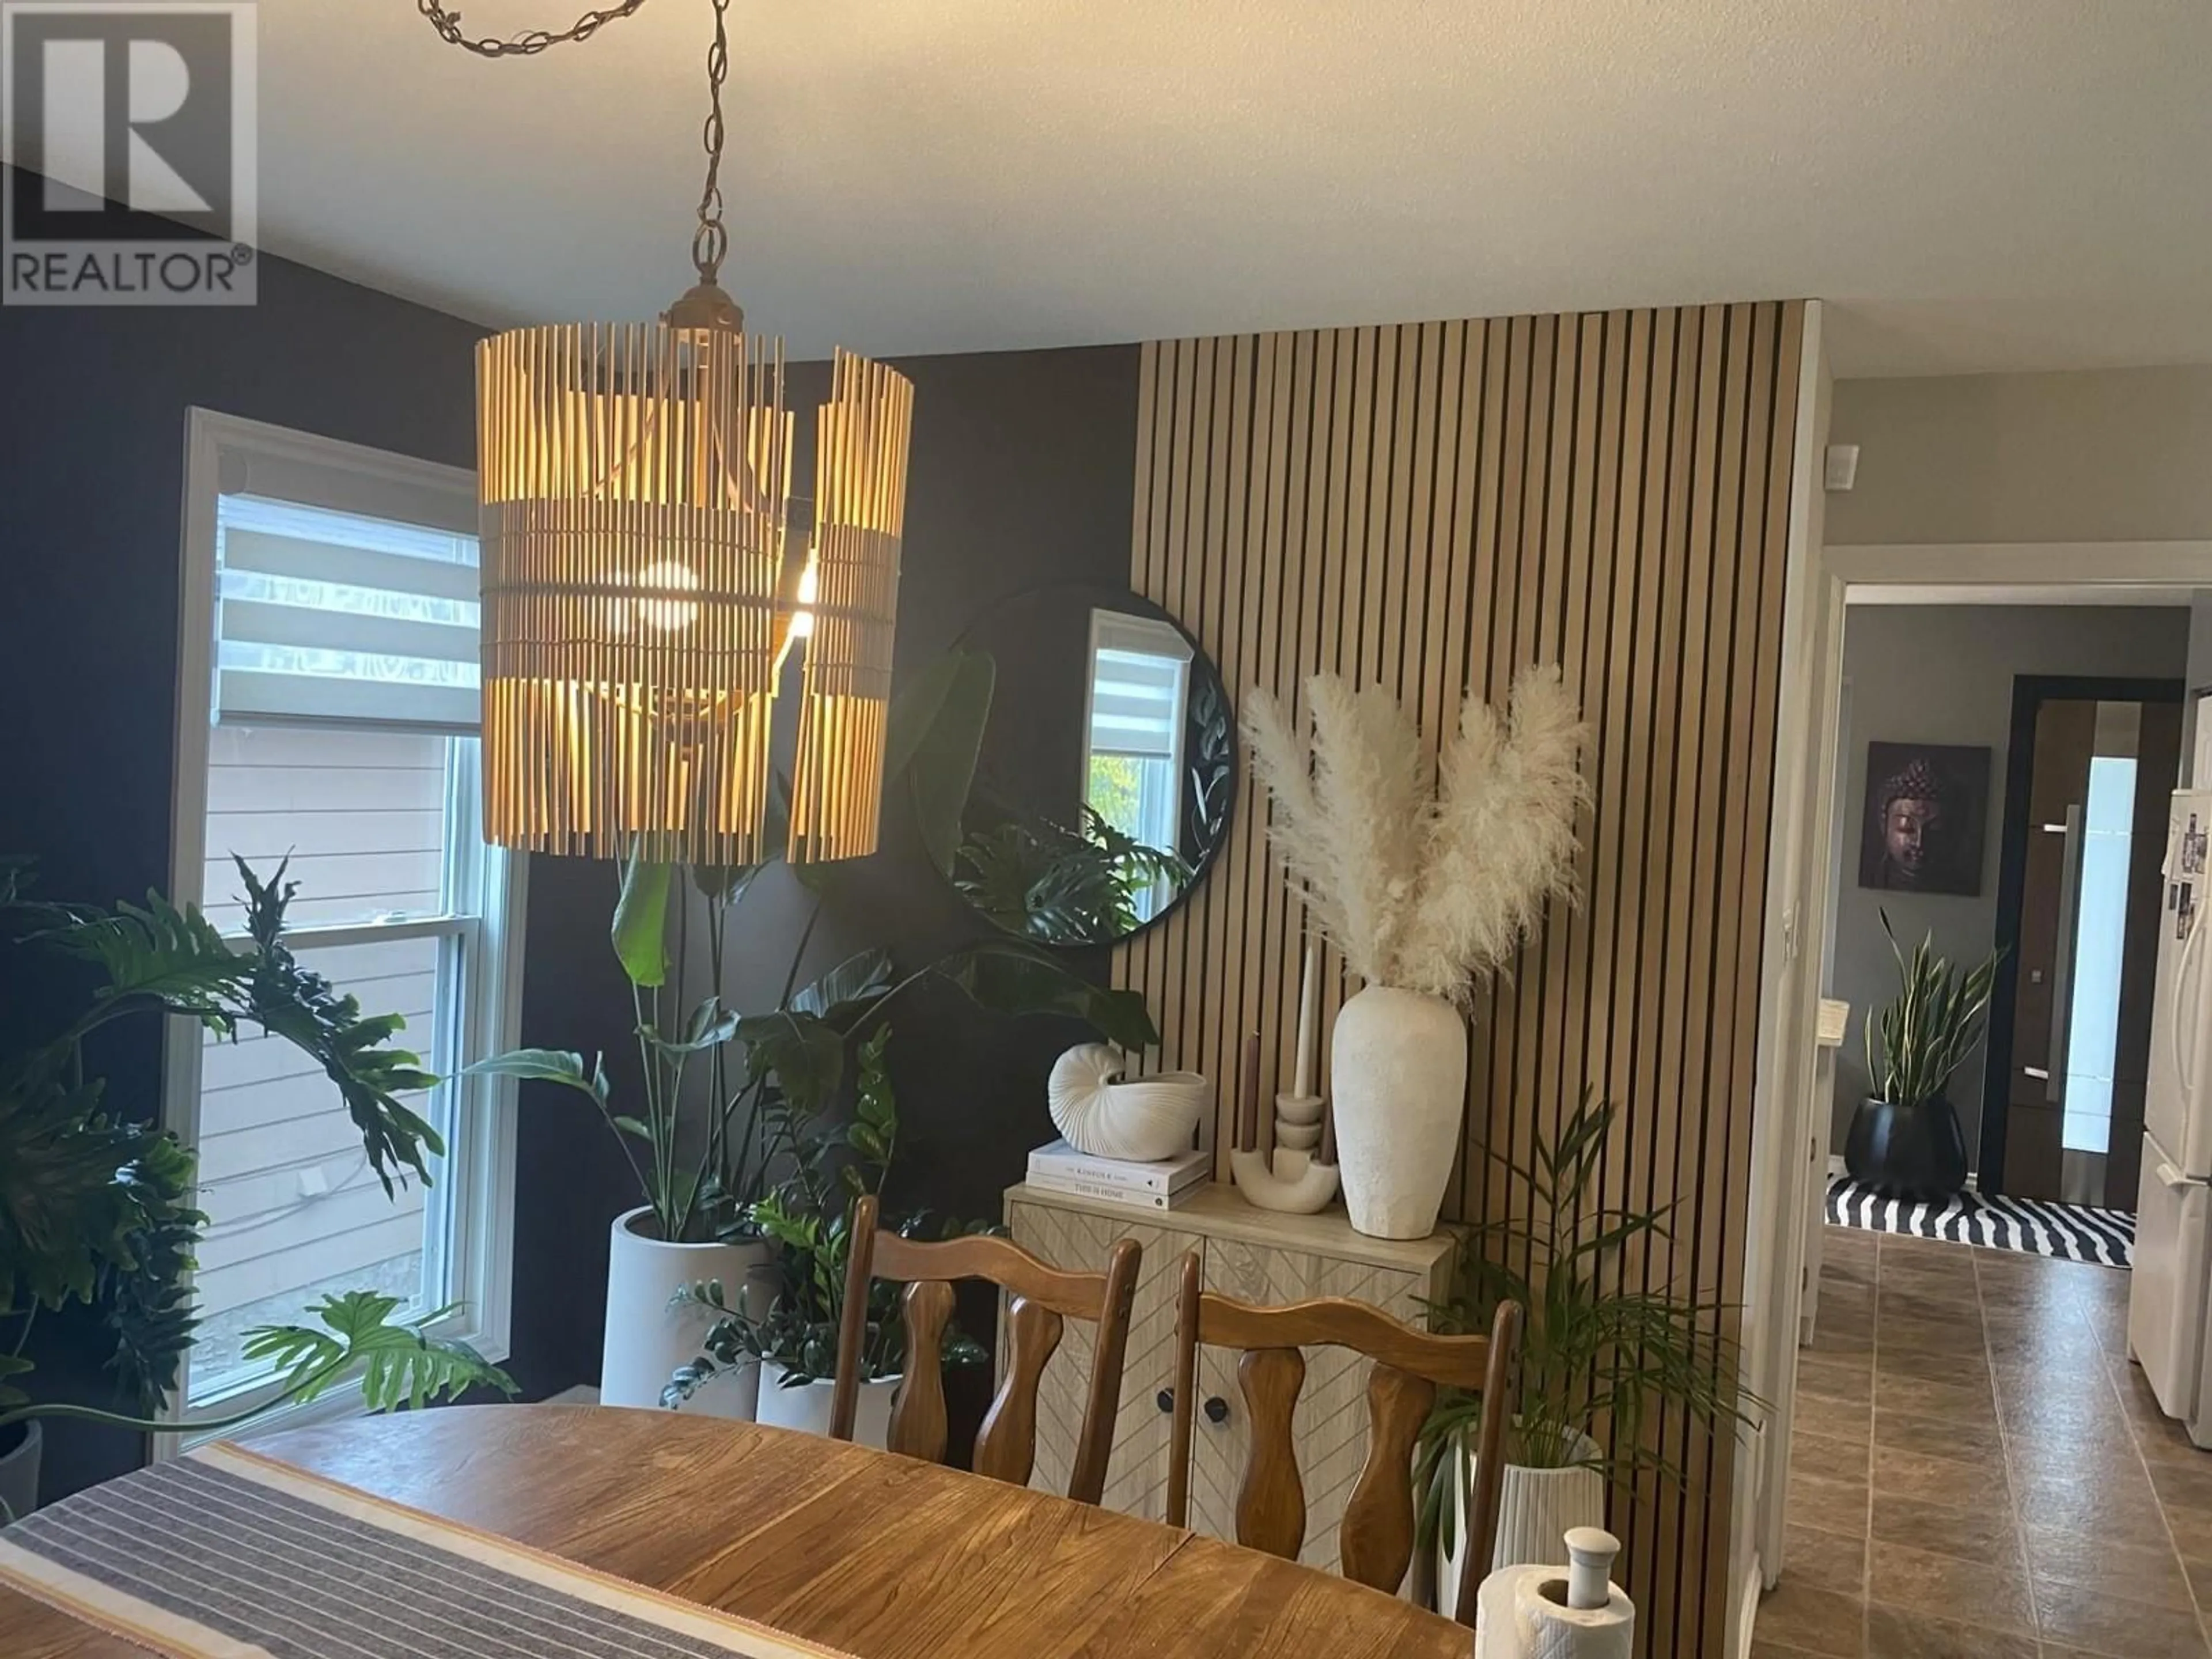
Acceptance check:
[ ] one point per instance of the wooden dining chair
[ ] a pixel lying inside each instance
(1040, 1298)
(1376, 1543)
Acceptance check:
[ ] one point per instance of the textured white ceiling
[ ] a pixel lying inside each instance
(1977, 184)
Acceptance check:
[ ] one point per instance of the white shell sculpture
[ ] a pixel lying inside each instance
(1145, 1121)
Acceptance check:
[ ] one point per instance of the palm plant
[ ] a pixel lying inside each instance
(1926, 1033)
(1596, 1357)
(96, 1204)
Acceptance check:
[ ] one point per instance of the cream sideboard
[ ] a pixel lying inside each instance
(1249, 1253)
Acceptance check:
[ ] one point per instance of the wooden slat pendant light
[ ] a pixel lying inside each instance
(638, 605)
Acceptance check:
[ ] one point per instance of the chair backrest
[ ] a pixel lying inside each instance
(1040, 1298)
(1376, 1543)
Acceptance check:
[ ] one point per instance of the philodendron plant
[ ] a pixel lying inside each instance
(96, 1203)
(702, 1154)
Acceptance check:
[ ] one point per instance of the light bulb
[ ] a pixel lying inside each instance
(669, 616)
(802, 621)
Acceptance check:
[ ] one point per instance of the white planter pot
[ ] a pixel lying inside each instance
(1397, 1070)
(806, 1407)
(19, 1473)
(648, 1338)
(1535, 1508)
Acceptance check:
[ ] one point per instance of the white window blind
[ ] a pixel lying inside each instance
(339, 619)
(1139, 668)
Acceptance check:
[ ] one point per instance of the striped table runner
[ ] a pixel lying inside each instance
(226, 1554)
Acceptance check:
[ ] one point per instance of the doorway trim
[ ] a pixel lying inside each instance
(2029, 693)
(1807, 781)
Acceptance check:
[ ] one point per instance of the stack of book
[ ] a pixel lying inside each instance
(1060, 1168)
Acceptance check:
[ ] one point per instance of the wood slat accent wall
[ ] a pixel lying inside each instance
(1434, 506)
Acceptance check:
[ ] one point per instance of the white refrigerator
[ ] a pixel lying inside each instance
(2169, 1299)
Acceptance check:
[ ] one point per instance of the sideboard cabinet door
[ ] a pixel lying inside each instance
(1137, 1473)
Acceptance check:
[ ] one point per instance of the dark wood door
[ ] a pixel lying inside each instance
(2058, 785)
(2156, 779)
(2049, 844)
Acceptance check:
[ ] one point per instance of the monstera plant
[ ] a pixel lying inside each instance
(97, 1202)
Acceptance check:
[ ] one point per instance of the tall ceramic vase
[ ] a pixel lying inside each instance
(648, 1336)
(1398, 1072)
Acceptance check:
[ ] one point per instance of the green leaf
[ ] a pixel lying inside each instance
(710, 1026)
(159, 951)
(302, 1006)
(1041, 880)
(398, 1364)
(546, 1066)
(1010, 978)
(857, 981)
(806, 1056)
(641, 925)
(935, 737)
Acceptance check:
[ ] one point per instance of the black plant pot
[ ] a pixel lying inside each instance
(1907, 1151)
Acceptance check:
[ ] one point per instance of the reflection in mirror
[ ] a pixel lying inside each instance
(1105, 781)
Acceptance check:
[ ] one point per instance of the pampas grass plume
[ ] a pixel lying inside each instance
(1426, 879)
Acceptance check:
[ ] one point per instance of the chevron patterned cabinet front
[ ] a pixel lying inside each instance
(1251, 1254)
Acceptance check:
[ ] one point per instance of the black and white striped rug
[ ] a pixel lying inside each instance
(2072, 1233)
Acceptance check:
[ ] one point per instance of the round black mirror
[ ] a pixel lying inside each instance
(1108, 768)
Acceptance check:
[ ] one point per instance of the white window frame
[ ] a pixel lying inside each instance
(476, 1197)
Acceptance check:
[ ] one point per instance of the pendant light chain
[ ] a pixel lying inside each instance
(530, 42)
(711, 241)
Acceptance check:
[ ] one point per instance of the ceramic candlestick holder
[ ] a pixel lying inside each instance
(1302, 1177)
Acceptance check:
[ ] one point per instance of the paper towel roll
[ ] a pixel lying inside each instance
(1521, 1612)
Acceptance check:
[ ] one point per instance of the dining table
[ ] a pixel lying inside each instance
(860, 1552)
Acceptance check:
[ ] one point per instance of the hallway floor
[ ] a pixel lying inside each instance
(1978, 1472)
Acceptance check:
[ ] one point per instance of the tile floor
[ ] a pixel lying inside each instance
(1978, 1472)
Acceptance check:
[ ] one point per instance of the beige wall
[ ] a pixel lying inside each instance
(2108, 455)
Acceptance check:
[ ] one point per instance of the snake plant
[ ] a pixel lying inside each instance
(1917, 1041)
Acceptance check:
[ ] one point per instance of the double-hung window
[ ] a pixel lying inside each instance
(1138, 709)
(329, 717)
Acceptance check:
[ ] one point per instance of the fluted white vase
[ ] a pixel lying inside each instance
(1535, 1508)
(1398, 1073)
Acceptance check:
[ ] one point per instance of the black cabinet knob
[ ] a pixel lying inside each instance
(1217, 1410)
(1166, 1400)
